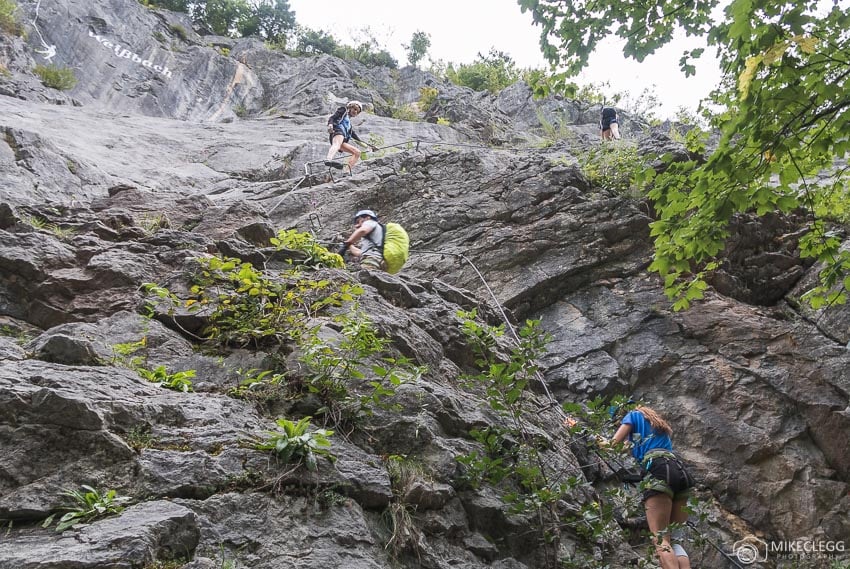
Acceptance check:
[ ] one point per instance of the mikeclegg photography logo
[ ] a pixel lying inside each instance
(754, 550)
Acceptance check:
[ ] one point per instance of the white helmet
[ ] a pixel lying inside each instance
(364, 212)
(357, 104)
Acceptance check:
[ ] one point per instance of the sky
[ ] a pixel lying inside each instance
(461, 29)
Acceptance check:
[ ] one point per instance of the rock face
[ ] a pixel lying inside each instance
(145, 170)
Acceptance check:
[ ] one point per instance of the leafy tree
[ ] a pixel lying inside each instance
(368, 54)
(492, 72)
(315, 41)
(419, 44)
(174, 5)
(223, 17)
(368, 50)
(784, 109)
(271, 20)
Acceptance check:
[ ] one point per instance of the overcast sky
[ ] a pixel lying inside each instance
(461, 29)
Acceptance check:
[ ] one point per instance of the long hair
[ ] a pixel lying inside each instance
(657, 422)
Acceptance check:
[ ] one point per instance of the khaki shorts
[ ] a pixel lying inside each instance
(371, 262)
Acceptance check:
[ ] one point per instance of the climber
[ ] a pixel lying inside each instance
(609, 125)
(340, 131)
(667, 481)
(366, 241)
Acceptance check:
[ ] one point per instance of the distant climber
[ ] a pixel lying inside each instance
(609, 125)
(340, 131)
(366, 242)
(667, 481)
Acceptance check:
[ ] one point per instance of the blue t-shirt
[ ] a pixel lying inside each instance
(643, 437)
(345, 125)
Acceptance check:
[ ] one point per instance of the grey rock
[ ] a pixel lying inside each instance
(62, 349)
(428, 496)
(11, 350)
(141, 534)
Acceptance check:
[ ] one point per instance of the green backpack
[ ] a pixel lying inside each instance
(396, 247)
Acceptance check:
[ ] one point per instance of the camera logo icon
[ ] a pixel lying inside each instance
(750, 550)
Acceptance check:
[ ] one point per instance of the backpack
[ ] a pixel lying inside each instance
(608, 113)
(395, 248)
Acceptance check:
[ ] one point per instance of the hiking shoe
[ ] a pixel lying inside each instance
(332, 164)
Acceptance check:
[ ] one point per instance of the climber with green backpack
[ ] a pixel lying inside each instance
(376, 245)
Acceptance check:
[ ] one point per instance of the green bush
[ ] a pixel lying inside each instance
(179, 31)
(427, 96)
(55, 77)
(613, 167)
(553, 132)
(9, 17)
(405, 113)
(245, 306)
(335, 367)
(317, 255)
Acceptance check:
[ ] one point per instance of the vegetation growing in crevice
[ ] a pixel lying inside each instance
(516, 468)
(18, 334)
(335, 370)
(134, 355)
(403, 535)
(554, 131)
(88, 505)
(9, 22)
(58, 231)
(152, 223)
(427, 97)
(178, 381)
(56, 77)
(179, 31)
(613, 167)
(350, 371)
(292, 441)
(317, 256)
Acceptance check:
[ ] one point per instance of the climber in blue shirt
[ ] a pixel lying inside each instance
(667, 482)
(340, 131)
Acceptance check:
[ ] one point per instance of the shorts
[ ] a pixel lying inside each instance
(669, 476)
(606, 124)
(372, 262)
(337, 133)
